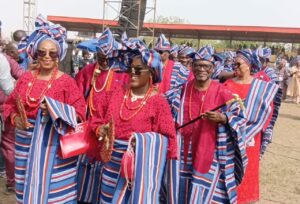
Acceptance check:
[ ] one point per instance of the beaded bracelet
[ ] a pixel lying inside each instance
(12, 118)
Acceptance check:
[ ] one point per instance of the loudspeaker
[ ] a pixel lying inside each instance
(130, 13)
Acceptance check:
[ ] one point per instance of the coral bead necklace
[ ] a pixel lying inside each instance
(34, 102)
(138, 108)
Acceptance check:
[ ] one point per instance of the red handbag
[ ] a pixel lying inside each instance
(74, 142)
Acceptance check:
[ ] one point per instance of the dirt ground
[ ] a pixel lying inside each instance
(280, 166)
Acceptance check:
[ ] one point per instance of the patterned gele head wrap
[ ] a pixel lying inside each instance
(219, 57)
(229, 55)
(264, 54)
(174, 50)
(205, 53)
(250, 58)
(44, 30)
(186, 50)
(151, 58)
(162, 44)
(108, 45)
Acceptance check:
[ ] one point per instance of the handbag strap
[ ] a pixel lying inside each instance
(129, 152)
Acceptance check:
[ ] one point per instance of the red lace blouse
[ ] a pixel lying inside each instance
(155, 116)
(63, 89)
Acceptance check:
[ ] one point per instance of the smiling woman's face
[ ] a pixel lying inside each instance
(47, 54)
(139, 73)
(241, 67)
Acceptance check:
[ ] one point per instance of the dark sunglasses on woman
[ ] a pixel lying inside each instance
(43, 53)
(237, 64)
(136, 70)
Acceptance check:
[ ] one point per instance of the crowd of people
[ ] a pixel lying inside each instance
(137, 125)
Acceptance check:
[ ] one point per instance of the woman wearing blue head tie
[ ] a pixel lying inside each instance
(44, 103)
(139, 113)
(258, 96)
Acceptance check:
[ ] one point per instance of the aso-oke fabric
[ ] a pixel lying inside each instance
(37, 160)
(150, 57)
(150, 159)
(185, 184)
(162, 44)
(44, 30)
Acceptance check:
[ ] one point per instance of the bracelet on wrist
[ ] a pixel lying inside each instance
(12, 118)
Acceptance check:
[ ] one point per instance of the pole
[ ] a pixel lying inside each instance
(103, 16)
(154, 21)
(139, 19)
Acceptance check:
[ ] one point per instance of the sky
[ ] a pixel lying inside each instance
(275, 13)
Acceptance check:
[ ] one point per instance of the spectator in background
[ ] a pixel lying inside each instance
(293, 89)
(23, 60)
(11, 50)
(85, 59)
(283, 76)
(6, 80)
(75, 62)
(18, 35)
(8, 136)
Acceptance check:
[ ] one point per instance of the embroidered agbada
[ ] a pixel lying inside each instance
(41, 176)
(258, 97)
(213, 176)
(150, 158)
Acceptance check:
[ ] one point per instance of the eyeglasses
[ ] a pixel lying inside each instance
(206, 67)
(137, 70)
(43, 53)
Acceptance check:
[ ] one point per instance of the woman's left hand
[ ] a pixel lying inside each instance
(216, 117)
(44, 108)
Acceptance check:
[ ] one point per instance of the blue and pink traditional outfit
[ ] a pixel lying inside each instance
(258, 96)
(212, 156)
(154, 133)
(95, 87)
(41, 175)
(174, 73)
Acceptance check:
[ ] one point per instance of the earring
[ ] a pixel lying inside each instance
(56, 63)
(150, 81)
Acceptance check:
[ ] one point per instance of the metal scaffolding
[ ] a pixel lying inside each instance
(113, 8)
(29, 15)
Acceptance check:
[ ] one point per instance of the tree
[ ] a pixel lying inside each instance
(169, 20)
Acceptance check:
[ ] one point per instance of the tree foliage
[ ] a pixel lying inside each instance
(168, 19)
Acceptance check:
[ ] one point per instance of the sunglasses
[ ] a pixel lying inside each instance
(137, 71)
(43, 53)
(161, 52)
(237, 64)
